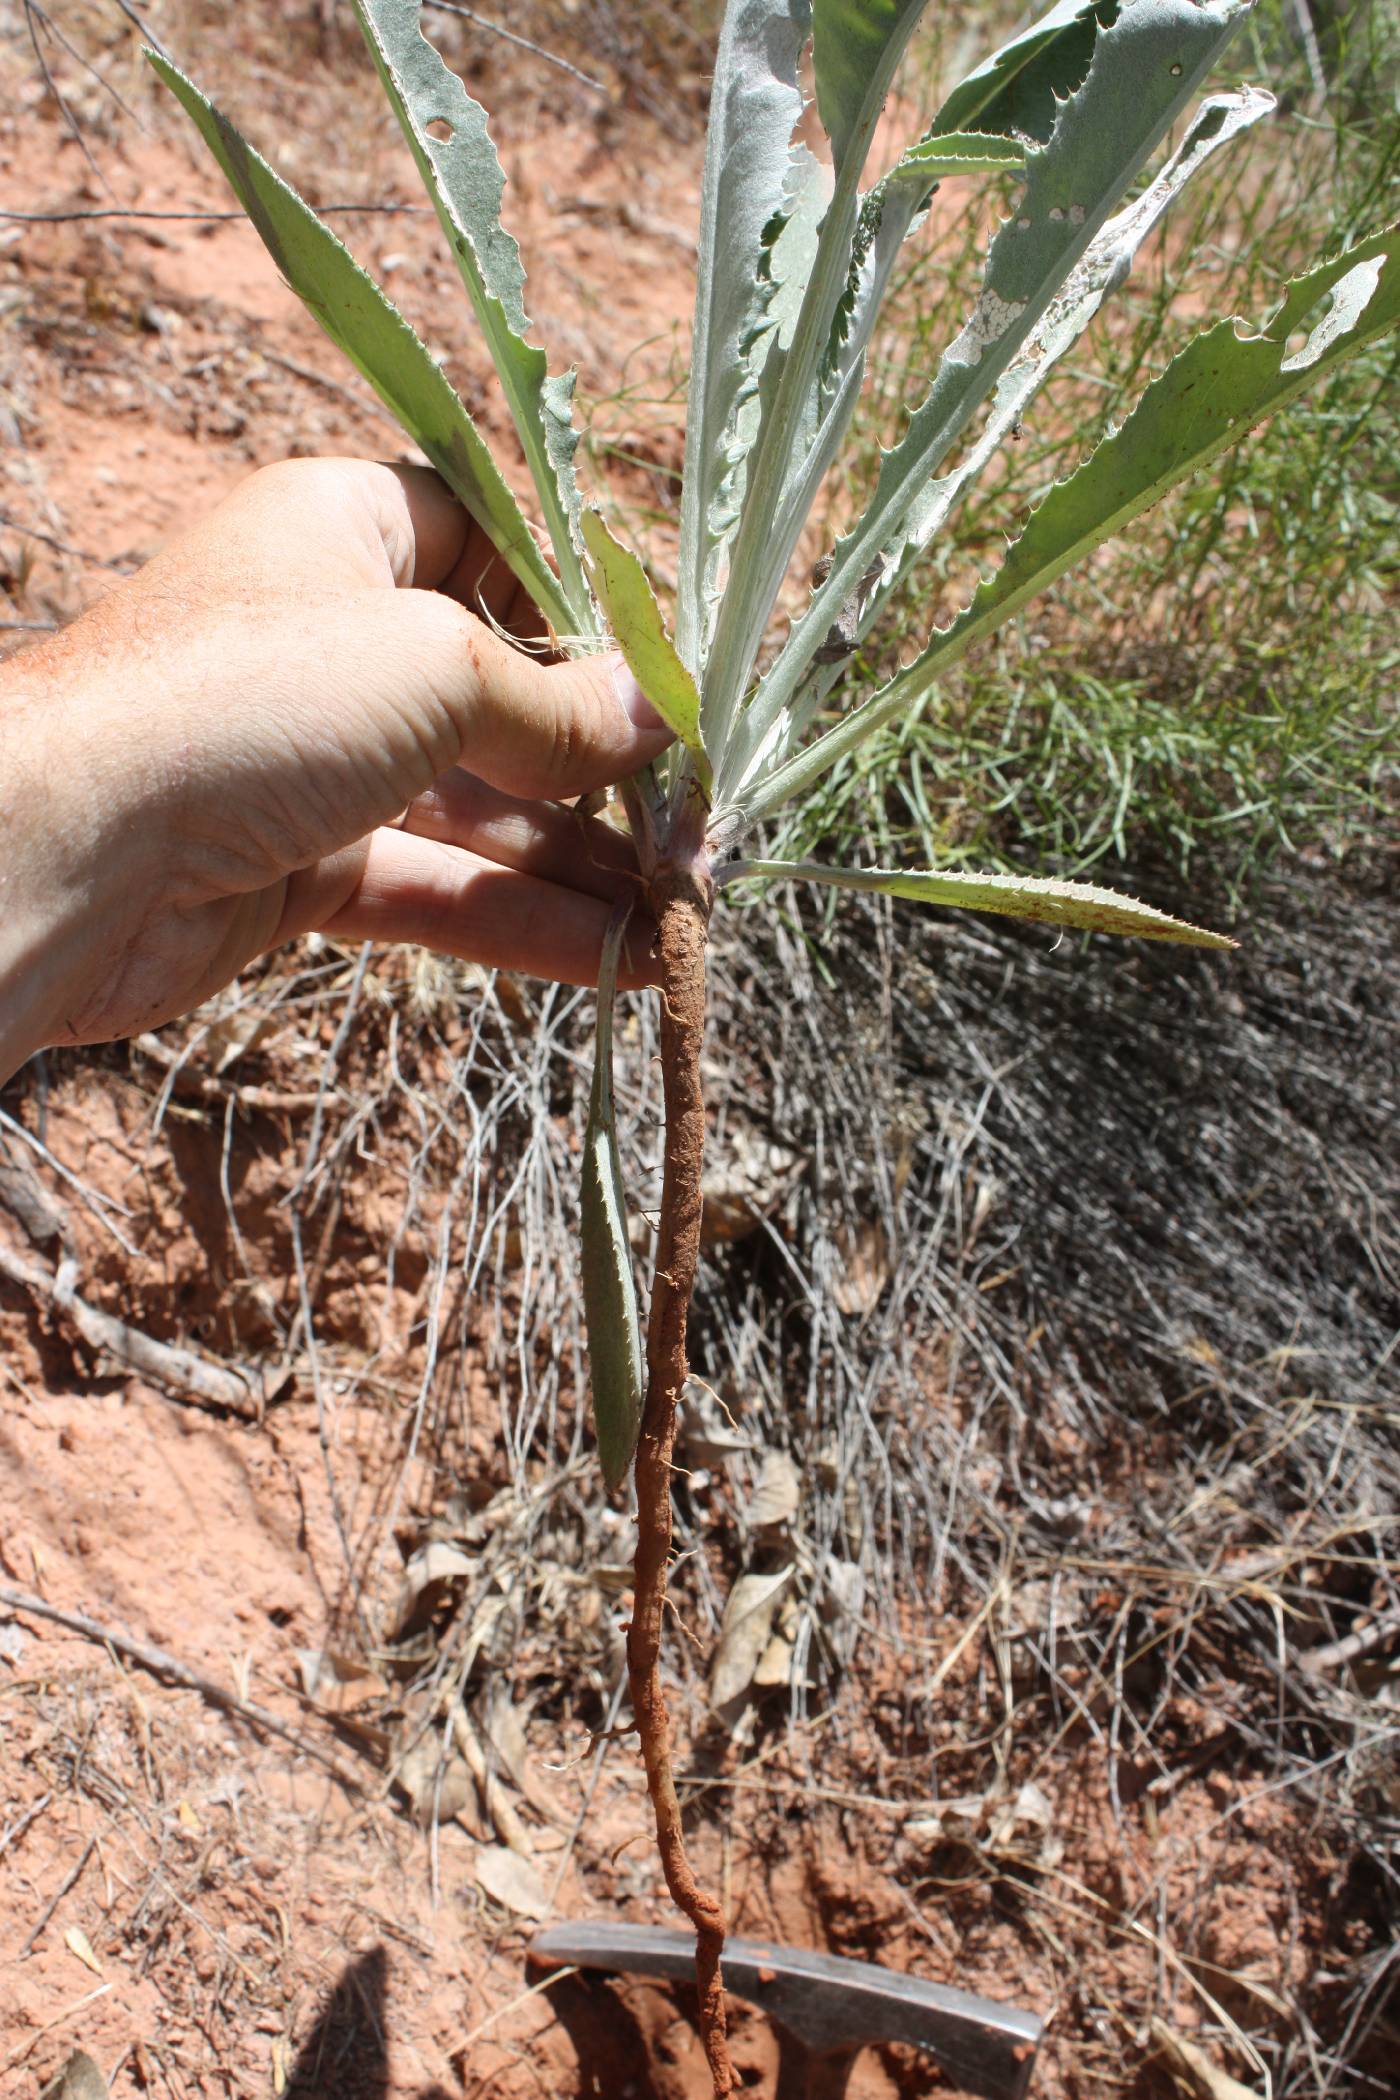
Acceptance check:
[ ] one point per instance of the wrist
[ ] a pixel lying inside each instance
(44, 913)
(27, 1002)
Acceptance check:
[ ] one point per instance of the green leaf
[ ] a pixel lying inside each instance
(1103, 268)
(640, 633)
(856, 43)
(793, 251)
(615, 1361)
(959, 153)
(462, 174)
(1077, 904)
(378, 341)
(1145, 69)
(1018, 89)
(863, 41)
(751, 176)
(790, 244)
(888, 214)
(1208, 398)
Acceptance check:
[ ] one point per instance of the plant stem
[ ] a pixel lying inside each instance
(681, 895)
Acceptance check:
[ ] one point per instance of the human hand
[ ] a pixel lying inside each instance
(290, 721)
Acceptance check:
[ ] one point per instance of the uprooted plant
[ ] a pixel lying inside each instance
(794, 262)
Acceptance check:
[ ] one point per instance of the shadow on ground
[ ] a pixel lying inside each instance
(346, 2054)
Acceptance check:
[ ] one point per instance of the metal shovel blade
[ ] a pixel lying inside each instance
(829, 2007)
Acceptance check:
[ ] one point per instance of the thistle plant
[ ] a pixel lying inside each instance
(795, 259)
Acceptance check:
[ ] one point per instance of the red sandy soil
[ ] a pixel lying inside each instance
(241, 1923)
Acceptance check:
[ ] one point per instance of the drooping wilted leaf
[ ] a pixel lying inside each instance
(707, 1437)
(1019, 1824)
(616, 1371)
(361, 321)
(774, 1666)
(1078, 904)
(337, 1682)
(503, 1728)
(430, 1577)
(462, 173)
(436, 1786)
(842, 1593)
(745, 1183)
(859, 1282)
(1193, 2070)
(777, 1493)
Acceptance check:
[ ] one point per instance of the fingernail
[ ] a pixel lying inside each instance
(634, 702)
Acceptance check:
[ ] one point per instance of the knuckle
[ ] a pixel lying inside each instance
(280, 476)
(564, 742)
(446, 641)
(579, 727)
(303, 482)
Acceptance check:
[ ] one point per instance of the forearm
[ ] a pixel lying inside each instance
(49, 890)
(24, 996)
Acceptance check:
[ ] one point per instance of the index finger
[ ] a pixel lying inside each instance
(453, 554)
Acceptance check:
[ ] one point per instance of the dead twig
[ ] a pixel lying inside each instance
(34, 19)
(207, 218)
(58, 1895)
(97, 1203)
(363, 404)
(59, 547)
(511, 36)
(493, 1796)
(24, 1196)
(21, 1823)
(1352, 1647)
(26, 2047)
(180, 1371)
(1191, 2067)
(162, 1664)
(212, 1086)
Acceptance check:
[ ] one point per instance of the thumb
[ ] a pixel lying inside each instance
(539, 731)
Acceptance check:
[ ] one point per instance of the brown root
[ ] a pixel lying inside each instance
(680, 898)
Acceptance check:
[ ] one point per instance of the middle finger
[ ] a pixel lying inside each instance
(536, 838)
